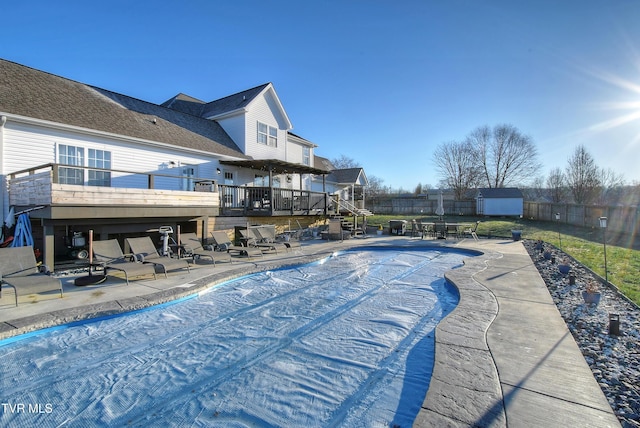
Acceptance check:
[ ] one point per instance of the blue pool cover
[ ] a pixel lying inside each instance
(348, 341)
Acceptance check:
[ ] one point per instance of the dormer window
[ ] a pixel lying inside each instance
(267, 135)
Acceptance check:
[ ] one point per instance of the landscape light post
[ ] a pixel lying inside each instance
(558, 225)
(603, 226)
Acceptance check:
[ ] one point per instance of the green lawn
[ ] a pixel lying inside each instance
(583, 244)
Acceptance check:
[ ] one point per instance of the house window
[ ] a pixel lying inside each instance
(267, 135)
(99, 159)
(74, 156)
(260, 180)
(306, 156)
(70, 155)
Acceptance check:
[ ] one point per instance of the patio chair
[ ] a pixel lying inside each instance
(439, 230)
(291, 241)
(192, 246)
(472, 230)
(428, 229)
(252, 240)
(451, 229)
(267, 235)
(20, 271)
(223, 242)
(144, 251)
(109, 255)
(417, 228)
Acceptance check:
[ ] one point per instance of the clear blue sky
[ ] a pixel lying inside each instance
(378, 81)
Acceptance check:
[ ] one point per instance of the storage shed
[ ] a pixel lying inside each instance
(506, 201)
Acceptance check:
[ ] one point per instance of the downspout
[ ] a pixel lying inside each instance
(3, 181)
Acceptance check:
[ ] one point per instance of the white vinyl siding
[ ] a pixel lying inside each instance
(236, 128)
(41, 144)
(261, 112)
(503, 206)
(266, 141)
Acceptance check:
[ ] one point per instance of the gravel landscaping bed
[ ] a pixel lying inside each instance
(613, 358)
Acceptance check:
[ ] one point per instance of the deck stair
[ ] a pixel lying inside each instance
(347, 207)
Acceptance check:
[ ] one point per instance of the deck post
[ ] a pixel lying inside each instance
(48, 244)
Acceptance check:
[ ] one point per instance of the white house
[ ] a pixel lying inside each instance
(505, 201)
(80, 157)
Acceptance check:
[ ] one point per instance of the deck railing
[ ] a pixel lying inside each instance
(100, 177)
(232, 200)
(243, 200)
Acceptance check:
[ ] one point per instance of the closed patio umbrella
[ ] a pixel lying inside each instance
(440, 209)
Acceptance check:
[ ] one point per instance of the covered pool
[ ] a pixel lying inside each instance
(347, 341)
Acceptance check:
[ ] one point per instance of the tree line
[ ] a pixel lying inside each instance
(502, 156)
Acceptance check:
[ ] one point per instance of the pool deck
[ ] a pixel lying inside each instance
(504, 356)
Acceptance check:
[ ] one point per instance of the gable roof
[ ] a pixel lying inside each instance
(501, 193)
(239, 103)
(232, 103)
(348, 176)
(31, 93)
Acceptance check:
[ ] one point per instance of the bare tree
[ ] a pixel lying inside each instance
(456, 166)
(583, 176)
(375, 187)
(478, 142)
(505, 156)
(344, 162)
(611, 184)
(536, 191)
(557, 186)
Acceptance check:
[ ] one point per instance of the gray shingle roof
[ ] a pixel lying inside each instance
(232, 102)
(185, 104)
(32, 93)
(323, 163)
(345, 176)
(501, 192)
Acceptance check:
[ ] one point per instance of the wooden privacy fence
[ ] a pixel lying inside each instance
(419, 205)
(625, 219)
